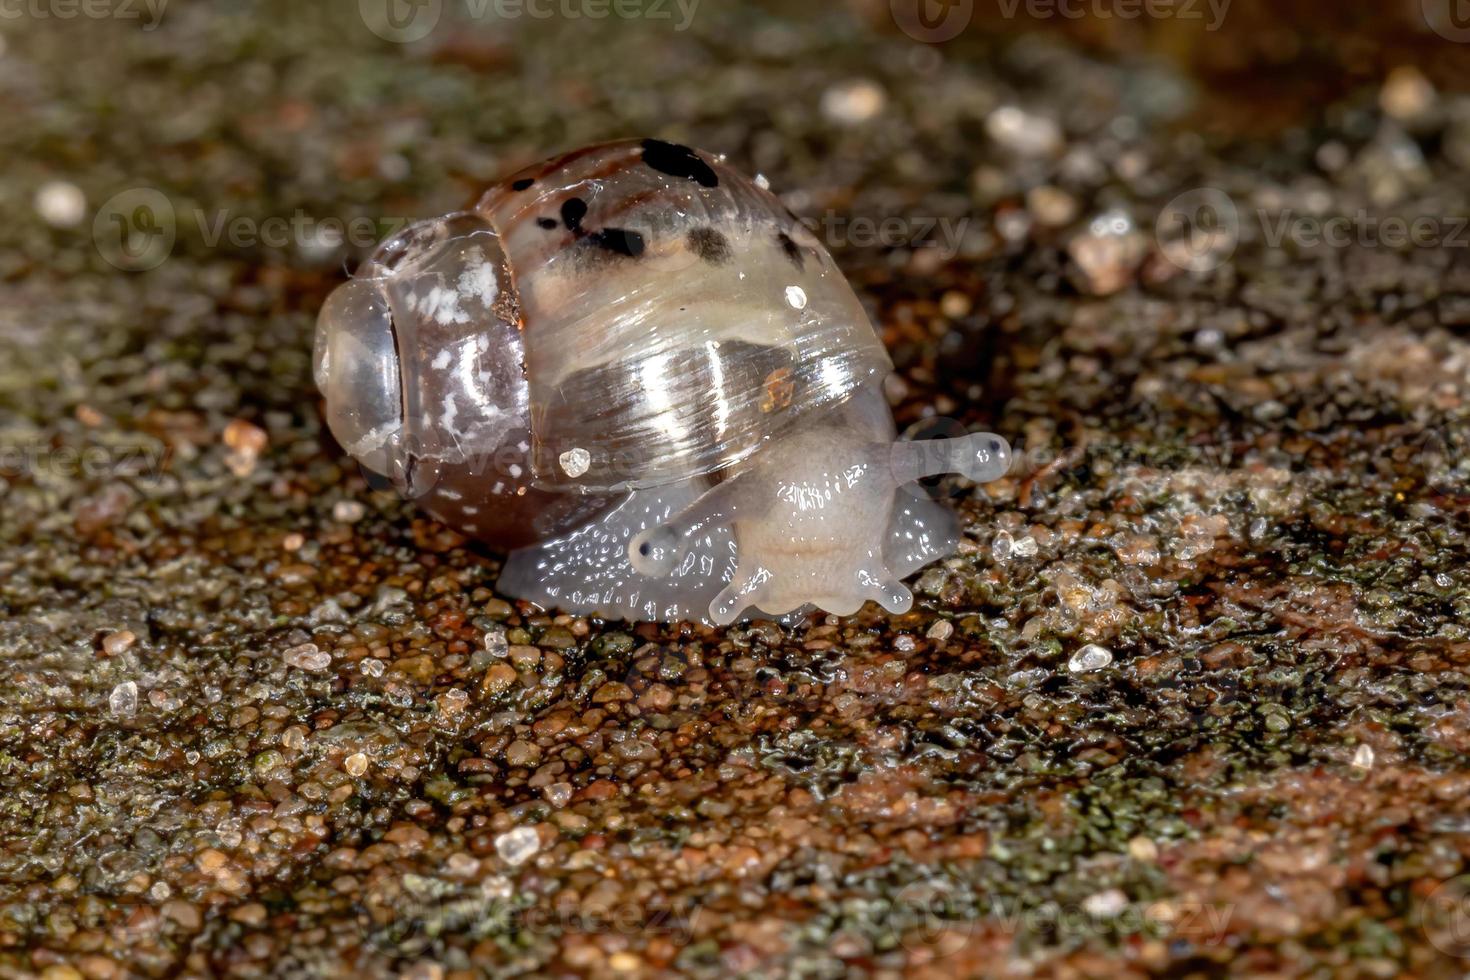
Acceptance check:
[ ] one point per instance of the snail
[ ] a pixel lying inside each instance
(638, 372)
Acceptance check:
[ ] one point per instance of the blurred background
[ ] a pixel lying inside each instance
(1191, 701)
(290, 139)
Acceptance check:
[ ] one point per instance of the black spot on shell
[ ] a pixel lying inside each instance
(792, 250)
(547, 223)
(522, 184)
(572, 213)
(678, 161)
(709, 245)
(619, 240)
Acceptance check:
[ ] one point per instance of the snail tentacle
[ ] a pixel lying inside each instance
(658, 550)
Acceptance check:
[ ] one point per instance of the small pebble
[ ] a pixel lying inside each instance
(521, 753)
(625, 962)
(211, 861)
(348, 511)
(1406, 94)
(853, 102)
(461, 864)
(61, 204)
(1108, 253)
(518, 846)
(124, 699)
(246, 442)
(355, 764)
(1143, 849)
(1023, 132)
(1089, 658)
(498, 678)
(1051, 206)
(497, 887)
(942, 630)
(1363, 758)
(524, 656)
(575, 462)
(244, 437)
(1005, 546)
(117, 643)
(307, 656)
(1105, 904)
(955, 304)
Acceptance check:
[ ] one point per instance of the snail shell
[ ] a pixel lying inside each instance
(586, 363)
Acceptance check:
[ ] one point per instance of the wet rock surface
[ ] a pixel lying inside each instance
(1191, 699)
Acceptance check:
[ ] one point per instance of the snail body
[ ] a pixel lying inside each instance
(637, 371)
